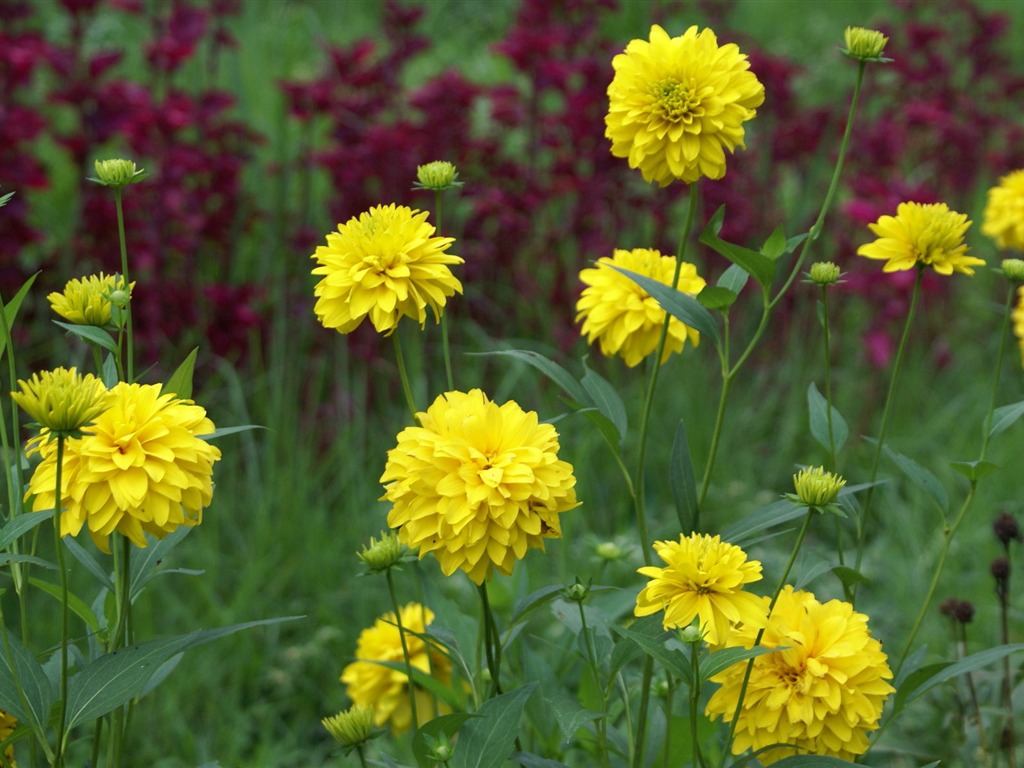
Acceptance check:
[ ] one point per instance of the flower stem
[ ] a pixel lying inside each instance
(601, 725)
(832, 458)
(450, 377)
(865, 516)
(130, 353)
(697, 759)
(492, 640)
(405, 651)
(404, 375)
(58, 756)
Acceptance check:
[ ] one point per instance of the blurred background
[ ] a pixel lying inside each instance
(263, 124)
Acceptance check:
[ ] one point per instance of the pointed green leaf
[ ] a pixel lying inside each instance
(734, 279)
(974, 470)
(1004, 417)
(487, 741)
(82, 555)
(445, 724)
(776, 513)
(681, 306)
(919, 476)
(75, 603)
(225, 431)
(760, 267)
(37, 688)
(775, 245)
(91, 334)
(146, 560)
(12, 306)
(180, 383)
(818, 407)
(682, 480)
(608, 430)
(716, 298)
(549, 368)
(923, 680)
(605, 398)
(721, 660)
(675, 661)
(21, 525)
(849, 576)
(533, 601)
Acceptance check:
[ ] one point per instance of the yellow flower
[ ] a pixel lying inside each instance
(676, 104)
(921, 234)
(1018, 321)
(704, 577)
(622, 316)
(369, 684)
(61, 400)
(1004, 212)
(7, 725)
(141, 467)
(820, 696)
(477, 484)
(86, 300)
(383, 265)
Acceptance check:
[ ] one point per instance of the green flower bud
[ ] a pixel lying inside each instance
(577, 592)
(691, 634)
(824, 273)
(384, 554)
(609, 550)
(864, 44)
(352, 727)
(117, 173)
(817, 488)
(437, 175)
(1013, 269)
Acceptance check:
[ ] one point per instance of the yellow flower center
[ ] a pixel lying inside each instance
(385, 263)
(678, 102)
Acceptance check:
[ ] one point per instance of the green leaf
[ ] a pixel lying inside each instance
(487, 741)
(681, 479)
(91, 564)
(180, 383)
(776, 513)
(608, 431)
(530, 760)
(849, 576)
(145, 562)
(920, 477)
(8, 558)
(674, 661)
(1004, 417)
(445, 724)
(533, 601)
(549, 368)
(681, 306)
(21, 525)
(225, 431)
(719, 661)
(818, 409)
(91, 334)
(974, 470)
(760, 267)
(12, 306)
(118, 677)
(38, 690)
(716, 297)
(775, 245)
(734, 278)
(923, 680)
(605, 398)
(570, 716)
(75, 603)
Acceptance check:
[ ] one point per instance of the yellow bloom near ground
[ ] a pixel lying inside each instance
(385, 689)
(477, 484)
(384, 265)
(822, 695)
(704, 577)
(1004, 212)
(622, 317)
(7, 725)
(141, 467)
(676, 104)
(1018, 321)
(921, 235)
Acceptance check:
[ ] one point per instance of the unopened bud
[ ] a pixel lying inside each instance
(1013, 269)
(117, 173)
(824, 273)
(864, 44)
(437, 175)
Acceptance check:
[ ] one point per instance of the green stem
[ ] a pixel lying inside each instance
(130, 354)
(404, 375)
(601, 725)
(696, 759)
(120, 638)
(865, 516)
(58, 757)
(405, 651)
(450, 377)
(492, 640)
(362, 757)
(828, 382)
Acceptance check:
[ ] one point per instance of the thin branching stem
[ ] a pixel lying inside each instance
(405, 650)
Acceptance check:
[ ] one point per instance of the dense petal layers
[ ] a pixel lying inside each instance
(141, 467)
(478, 484)
(821, 695)
(86, 300)
(921, 235)
(704, 577)
(676, 104)
(622, 317)
(386, 689)
(383, 265)
(1004, 212)
(1018, 321)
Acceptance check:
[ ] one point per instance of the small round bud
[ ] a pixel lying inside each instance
(384, 554)
(817, 488)
(437, 175)
(117, 173)
(1013, 269)
(609, 550)
(958, 610)
(864, 44)
(691, 634)
(1000, 569)
(352, 727)
(577, 592)
(441, 752)
(824, 273)
(660, 688)
(1006, 528)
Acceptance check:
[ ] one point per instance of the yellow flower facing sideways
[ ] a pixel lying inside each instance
(822, 695)
(1018, 321)
(140, 467)
(384, 265)
(478, 484)
(703, 577)
(921, 235)
(86, 300)
(1004, 212)
(677, 104)
(622, 317)
(386, 689)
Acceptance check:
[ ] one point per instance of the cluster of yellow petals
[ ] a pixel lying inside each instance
(921, 234)
(1004, 212)
(1018, 321)
(384, 265)
(822, 694)
(478, 484)
(622, 317)
(676, 104)
(704, 577)
(385, 689)
(86, 300)
(141, 467)
(7, 725)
